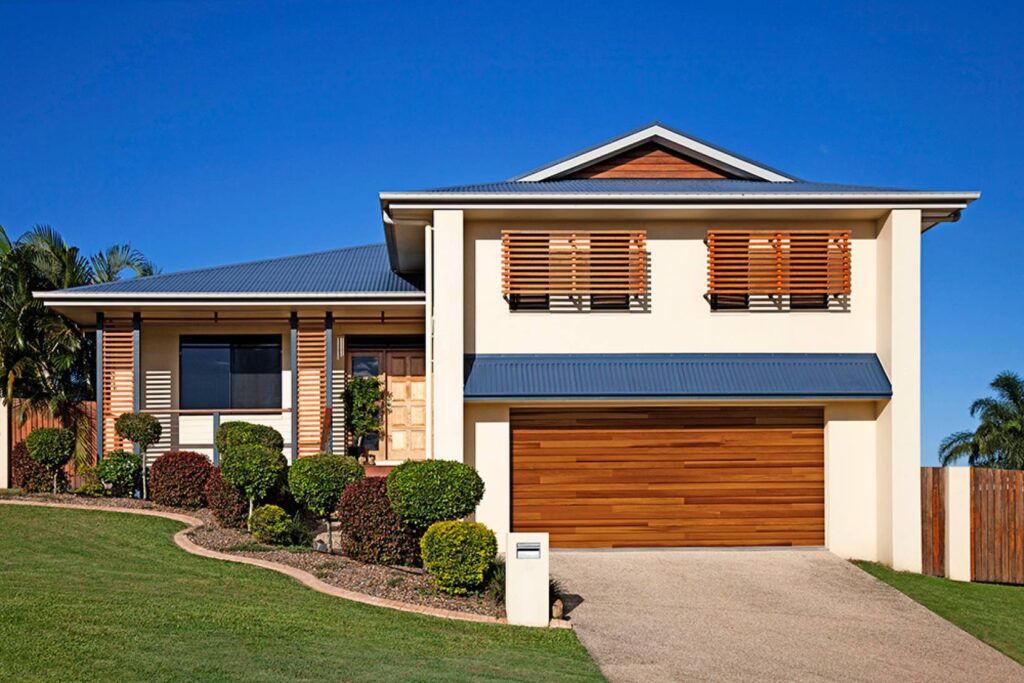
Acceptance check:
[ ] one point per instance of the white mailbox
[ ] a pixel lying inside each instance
(526, 580)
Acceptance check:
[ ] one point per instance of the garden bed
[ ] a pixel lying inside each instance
(404, 584)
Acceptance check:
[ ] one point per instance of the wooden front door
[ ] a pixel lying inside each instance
(402, 373)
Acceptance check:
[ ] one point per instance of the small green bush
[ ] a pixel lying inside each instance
(363, 399)
(496, 582)
(32, 476)
(90, 486)
(51, 447)
(434, 491)
(139, 428)
(120, 470)
(317, 482)
(230, 435)
(458, 555)
(228, 504)
(270, 524)
(256, 470)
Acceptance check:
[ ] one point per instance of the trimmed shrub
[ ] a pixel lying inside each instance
(31, 475)
(51, 447)
(270, 524)
(228, 505)
(371, 531)
(317, 482)
(256, 470)
(434, 491)
(230, 435)
(90, 485)
(178, 479)
(139, 428)
(458, 555)
(120, 470)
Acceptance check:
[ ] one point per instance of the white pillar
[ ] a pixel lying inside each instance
(899, 424)
(958, 523)
(5, 445)
(527, 574)
(447, 346)
(488, 450)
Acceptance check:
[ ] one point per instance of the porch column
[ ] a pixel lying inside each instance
(448, 342)
(293, 348)
(99, 387)
(899, 421)
(5, 444)
(329, 379)
(137, 369)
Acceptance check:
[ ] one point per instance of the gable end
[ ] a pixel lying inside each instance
(649, 160)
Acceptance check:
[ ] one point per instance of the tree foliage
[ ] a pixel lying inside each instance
(255, 470)
(363, 399)
(998, 440)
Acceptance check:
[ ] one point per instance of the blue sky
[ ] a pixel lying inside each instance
(205, 132)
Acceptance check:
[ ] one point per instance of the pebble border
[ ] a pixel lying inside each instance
(182, 540)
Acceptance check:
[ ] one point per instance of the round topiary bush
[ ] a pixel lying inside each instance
(228, 504)
(233, 434)
(256, 470)
(433, 491)
(139, 428)
(120, 470)
(317, 482)
(51, 447)
(458, 555)
(370, 530)
(31, 475)
(270, 524)
(178, 479)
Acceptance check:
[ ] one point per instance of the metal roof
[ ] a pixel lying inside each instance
(364, 269)
(674, 375)
(674, 186)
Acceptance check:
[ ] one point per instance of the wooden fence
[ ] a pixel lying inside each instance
(933, 521)
(19, 431)
(997, 525)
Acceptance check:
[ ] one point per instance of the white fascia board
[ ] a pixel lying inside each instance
(670, 138)
(171, 299)
(476, 199)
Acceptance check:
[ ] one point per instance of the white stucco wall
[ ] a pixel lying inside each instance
(487, 448)
(851, 471)
(447, 346)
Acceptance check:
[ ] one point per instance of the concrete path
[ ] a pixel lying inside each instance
(760, 615)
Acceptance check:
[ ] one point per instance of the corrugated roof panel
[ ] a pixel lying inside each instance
(686, 375)
(348, 270)
(668, 186)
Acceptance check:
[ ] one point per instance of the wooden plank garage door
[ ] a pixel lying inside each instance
(663, 477)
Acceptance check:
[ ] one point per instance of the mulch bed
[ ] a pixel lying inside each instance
(405, 584)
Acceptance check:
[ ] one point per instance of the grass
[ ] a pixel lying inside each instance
(992, 613)
(99, 596)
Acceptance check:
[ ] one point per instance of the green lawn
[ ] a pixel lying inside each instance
(989, 612)
(105, 596)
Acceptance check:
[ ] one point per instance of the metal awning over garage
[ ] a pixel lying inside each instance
(720, 376)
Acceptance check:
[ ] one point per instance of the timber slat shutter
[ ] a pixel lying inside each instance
(311, 353)
(778, 262)
(118, 380)
(574, 262)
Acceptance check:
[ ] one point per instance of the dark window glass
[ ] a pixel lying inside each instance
(609, 302)
(729, 302)
(808, 301)
(220, 373)
(529, 302)
(365, 366)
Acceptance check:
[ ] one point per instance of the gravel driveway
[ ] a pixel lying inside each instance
(761, 615)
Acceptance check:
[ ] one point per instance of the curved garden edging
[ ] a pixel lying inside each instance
(182, 540)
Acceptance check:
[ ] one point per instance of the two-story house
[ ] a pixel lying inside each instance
(652, 342)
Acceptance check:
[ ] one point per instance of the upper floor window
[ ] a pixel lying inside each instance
(230, 372)
(778, 269)
(574, 269)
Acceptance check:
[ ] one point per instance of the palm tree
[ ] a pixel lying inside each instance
(46, 360)
(998, 440)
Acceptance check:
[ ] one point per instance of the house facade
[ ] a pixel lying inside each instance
(654, 342)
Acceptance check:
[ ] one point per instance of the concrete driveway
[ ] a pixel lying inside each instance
(735, 615)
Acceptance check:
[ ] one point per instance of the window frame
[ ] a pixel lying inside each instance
(232, 342)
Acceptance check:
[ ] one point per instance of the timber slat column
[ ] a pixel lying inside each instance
(311, 385)
(118, 387)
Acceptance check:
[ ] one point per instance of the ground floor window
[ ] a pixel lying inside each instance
(230, 372)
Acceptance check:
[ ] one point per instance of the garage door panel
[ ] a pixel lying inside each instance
(663, 477)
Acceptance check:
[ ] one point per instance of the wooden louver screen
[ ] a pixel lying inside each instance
(772, 262)
(311, 356)
(573, 262)
(118, 380)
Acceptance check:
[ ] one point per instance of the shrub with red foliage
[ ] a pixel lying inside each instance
(228, 504)
(371, 531)
(178, 479)
(31, 475)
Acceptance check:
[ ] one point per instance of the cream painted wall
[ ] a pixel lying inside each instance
(958, 523)
(851, 471)
(679, 319)
(487, 448)
(447, 347)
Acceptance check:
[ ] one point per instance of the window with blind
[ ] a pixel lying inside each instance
(778, 269)
(232, 371)
(573, 269)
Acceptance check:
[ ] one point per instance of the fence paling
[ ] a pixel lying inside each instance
(19, 431)
(997, 525)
